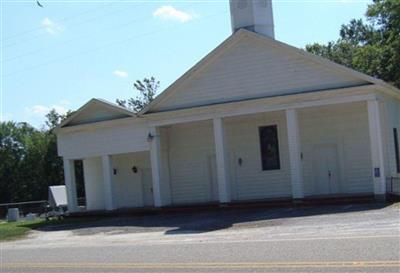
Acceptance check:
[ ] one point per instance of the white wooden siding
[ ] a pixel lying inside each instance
(251, 69)
(347, 127)
(118, 139)
(249, 181)
(190, 148)
(94, 183)
(129, 186)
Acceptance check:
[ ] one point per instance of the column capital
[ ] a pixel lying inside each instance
(375, 98)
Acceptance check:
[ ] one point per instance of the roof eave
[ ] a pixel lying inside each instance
(242, 33)
(192, 71)
(105, 103)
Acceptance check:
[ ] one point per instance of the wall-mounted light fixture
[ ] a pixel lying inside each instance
(115, 171)
(134, 169)
(150, 137)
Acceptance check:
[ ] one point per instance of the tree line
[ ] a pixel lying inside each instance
(28, 156)
(371, 46)
(29, 162)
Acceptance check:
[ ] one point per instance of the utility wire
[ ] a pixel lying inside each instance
(92, 19)
(90, 51)
(85, 36)
(73, 25)
(344, 2)
(65, 19)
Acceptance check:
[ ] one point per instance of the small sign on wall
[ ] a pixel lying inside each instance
(377, 172)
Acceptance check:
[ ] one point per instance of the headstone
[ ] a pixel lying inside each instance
(30, 217)
(13, 215)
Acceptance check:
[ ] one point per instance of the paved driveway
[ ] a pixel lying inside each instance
(347, 238)
(316, 219)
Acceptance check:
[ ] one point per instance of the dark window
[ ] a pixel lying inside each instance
(396, 148)
(269, 148)
(80, 182)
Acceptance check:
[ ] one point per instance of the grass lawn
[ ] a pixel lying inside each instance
(15, 230)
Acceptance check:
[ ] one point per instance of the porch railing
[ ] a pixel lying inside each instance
(37, 207)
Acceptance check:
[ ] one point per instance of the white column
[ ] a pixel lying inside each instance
(296, 170)
(224, 190)
(155, 157)
(108, 181)
(377, 153)
(70, 183)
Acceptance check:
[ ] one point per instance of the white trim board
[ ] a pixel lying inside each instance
(256, 106)
(102, 103)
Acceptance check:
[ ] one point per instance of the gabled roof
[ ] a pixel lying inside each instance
(175, 92)
(96, 110)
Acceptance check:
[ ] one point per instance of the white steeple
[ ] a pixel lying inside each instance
(253, 15)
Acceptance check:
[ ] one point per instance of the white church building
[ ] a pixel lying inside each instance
(254, 120)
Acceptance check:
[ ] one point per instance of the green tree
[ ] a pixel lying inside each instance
(21, 156)
(53, 164)
(53, 118)
(53, 169)
(147, 91)
(29, 162)
(371, 47)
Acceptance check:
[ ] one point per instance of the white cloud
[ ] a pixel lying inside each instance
(171, 13)
(40, 111)
(37, 110)
(50, 26)
(64, 102)
(120, 73)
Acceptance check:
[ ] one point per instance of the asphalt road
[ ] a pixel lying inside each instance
(352, 239)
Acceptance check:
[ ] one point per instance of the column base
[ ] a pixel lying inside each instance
(223, 205)
(297, 201)
(380, 197)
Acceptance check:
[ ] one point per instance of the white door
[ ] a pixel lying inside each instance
(127, 185)
(147, 184)
(326, 169)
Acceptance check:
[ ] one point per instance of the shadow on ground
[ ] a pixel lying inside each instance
(201, 221)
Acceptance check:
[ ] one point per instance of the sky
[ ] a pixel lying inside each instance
(65, 53)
